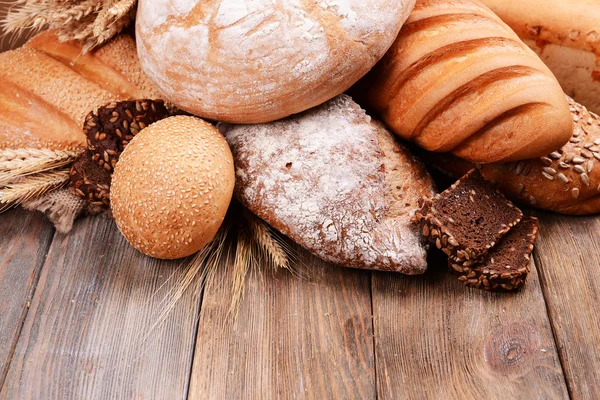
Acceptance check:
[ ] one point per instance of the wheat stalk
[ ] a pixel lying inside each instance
(275, 250)
(92, 22)
(245, 259)
(32, 186)
(16, 163)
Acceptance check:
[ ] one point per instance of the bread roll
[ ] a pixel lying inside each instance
(566, 181)
(249, 61)
(172, 187)
(457, 79)
(566, 35)
(335, 182)
(48, 88)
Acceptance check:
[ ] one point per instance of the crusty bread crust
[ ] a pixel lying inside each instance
(48, 88)
(245, 61)
(457, 79)
(566, 36)
(336, 183)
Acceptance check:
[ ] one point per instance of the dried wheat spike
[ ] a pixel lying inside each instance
(32, 186)
(269, 245)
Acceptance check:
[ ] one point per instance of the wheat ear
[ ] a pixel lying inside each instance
(276, 251)
(15, 164)
(244, 261)
(31, 186)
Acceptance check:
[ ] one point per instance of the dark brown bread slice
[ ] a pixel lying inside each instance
(468, 218)
(506, 265)
(110, 128)
(90, 181)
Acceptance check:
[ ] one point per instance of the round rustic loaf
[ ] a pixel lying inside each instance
(335, 182)
(249, 61)
(172, 186)
(457, 79)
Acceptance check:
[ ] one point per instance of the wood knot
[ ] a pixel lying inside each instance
(510, 346)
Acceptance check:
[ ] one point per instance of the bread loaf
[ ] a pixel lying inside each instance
(565, 181)
(566, 35)
(249, 61)
(48, 88)
(457, 79)
(335, 182)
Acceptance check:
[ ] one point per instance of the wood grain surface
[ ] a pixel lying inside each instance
(92, 331)
(435, 339)
(294, 338)
(568, 256)
(24, 241)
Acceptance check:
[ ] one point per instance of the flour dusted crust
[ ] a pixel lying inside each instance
(249, 61)
(335, 182)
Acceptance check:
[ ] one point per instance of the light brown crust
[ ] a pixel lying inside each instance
(457, 79)
(572, 23)
(48, 88)
(252, 61)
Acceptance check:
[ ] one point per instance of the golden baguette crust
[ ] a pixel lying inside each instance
(457, 79)
(566, 181)
(49, 87)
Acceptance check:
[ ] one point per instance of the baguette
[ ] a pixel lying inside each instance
(48, 88)
(566, 35)
(457, 79)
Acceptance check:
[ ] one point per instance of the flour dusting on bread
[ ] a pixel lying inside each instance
(319, 177)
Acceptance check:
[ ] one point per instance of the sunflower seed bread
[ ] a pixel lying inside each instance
(506, 265)
(566, 181)
(467, 219)
(335, 182)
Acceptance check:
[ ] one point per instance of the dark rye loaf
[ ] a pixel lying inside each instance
(335, 182)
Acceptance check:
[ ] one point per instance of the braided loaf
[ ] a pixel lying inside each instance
(457, 79)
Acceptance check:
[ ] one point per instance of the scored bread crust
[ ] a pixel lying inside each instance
(48, 88)
(457, 79)
(336, 183)
(246, 61)
(566, 35)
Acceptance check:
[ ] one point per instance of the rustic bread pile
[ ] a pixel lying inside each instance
(448, 75)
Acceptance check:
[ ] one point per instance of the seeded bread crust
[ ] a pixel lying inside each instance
(444, 237)
(566, 181)
(110, 128)
(488, 274)
(336, 183)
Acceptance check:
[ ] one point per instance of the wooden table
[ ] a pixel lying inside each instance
(81, 316)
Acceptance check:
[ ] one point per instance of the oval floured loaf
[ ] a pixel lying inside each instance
(335, 182)
(249, 61)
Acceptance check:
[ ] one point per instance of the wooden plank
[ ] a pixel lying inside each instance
(294, 337)
(24, 241)
(435, 339)
(90, 332)
(568, 257)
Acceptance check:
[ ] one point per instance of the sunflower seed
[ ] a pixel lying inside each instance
(550, 171)
(578, 160)
(575, 193)
(590, 166)
(585, 179)
(579, 169)
(562, 177)
(555, 155)
(546, 161)
(548, 176)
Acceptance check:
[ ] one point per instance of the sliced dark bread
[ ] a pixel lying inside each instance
(506, 265)
(467, 219)
(90, 181)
